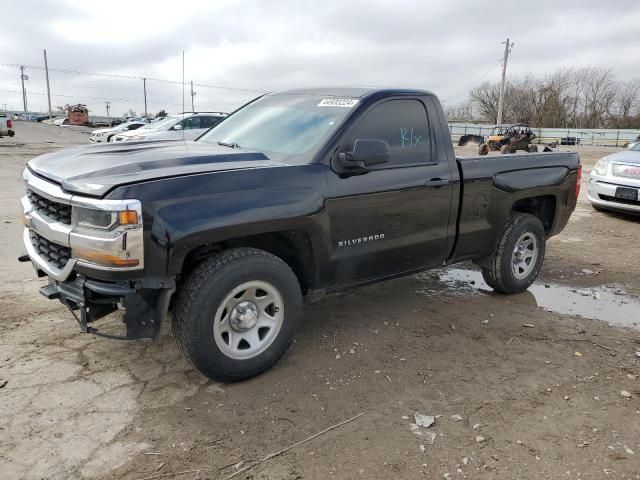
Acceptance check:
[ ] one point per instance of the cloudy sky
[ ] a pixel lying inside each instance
(253, 46)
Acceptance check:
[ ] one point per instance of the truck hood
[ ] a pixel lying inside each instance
(96, 169)
(628, 156)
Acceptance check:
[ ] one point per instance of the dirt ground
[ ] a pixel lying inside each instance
(521, 387)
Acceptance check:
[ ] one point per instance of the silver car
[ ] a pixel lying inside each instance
(175, 127)
(615, 182)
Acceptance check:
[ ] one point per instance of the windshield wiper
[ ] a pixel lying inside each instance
(230, 145)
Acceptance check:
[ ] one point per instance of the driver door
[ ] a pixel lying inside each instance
(394, 218)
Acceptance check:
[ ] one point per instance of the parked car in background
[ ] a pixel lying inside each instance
(105, 134)
(634, 143)
(174, 127)
(6, 126)
(615, 182)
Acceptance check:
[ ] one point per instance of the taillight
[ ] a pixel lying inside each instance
(578, 180)
(9, 123)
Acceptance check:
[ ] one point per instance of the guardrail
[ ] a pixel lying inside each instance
(593, 137)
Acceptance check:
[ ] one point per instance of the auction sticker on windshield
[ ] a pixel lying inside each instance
(338, 102)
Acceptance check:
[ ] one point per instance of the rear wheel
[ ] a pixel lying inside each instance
(506, 149)
(236, 314)
(484, 149)
(532, 148)
(518, 259)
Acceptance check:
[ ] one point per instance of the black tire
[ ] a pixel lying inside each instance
(202, 295)
(499, 275)
(484, 149)
(506, 149)
(532, 148)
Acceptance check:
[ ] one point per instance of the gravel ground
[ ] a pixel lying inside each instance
(521, 386)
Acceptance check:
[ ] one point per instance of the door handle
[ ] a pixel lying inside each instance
(437, 182)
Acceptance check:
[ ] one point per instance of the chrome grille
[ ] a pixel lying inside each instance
(54, 210)
(53, 253)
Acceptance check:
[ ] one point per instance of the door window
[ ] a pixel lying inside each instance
(208, 122)
(403, 124)
(190, 123)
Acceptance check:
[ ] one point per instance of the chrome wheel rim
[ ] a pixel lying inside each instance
(248, 320)
(525, 255)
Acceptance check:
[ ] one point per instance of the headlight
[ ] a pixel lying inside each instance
(107, 233)
(600, 167)
(103, 219)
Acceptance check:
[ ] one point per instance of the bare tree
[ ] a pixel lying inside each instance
(588, 97)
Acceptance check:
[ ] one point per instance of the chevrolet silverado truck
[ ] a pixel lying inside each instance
(293, 196)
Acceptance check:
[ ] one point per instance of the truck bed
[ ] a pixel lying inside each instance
(491, 184)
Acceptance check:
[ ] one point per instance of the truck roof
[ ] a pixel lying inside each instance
(354, 92)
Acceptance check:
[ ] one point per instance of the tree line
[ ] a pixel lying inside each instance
(590, 97)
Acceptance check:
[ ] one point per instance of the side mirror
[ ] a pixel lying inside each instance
(365, 153)
(177, 126)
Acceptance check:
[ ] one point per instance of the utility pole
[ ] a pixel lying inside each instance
(23, 77)
(108, 104)
(507, 51)
(46, 71)
(192, 95)
(144, 84)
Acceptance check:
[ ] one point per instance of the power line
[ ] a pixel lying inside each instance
(475, 82)
(132, 77)
(124, 100)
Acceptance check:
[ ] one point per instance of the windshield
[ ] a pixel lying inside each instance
(636, 147)
(286, 128)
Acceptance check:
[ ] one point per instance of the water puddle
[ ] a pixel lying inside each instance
(609, 304)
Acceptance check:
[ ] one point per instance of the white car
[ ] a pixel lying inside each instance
(105, 134)
(615, 182)
(175, 127)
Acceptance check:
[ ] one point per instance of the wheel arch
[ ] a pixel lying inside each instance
(294, 247)
(543, 207)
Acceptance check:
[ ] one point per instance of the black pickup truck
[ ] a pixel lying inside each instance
(293, 196)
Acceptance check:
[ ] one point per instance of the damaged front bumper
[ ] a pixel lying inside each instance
(92, 272)
(144, 309)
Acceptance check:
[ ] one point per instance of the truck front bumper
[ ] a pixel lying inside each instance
(88, 300)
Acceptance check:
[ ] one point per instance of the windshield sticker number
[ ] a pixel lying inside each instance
(338, 102)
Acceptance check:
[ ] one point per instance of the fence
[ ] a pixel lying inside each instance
(594, 137)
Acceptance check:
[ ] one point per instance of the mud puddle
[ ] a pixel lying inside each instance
(610, 304)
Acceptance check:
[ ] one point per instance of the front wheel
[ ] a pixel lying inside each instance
(517, 261)
(236, 314)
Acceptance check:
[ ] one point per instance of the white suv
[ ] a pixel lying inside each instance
(175, 127)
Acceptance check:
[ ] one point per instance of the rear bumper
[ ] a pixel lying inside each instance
(602, 194)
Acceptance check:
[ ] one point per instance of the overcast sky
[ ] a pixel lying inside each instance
(441, 45)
